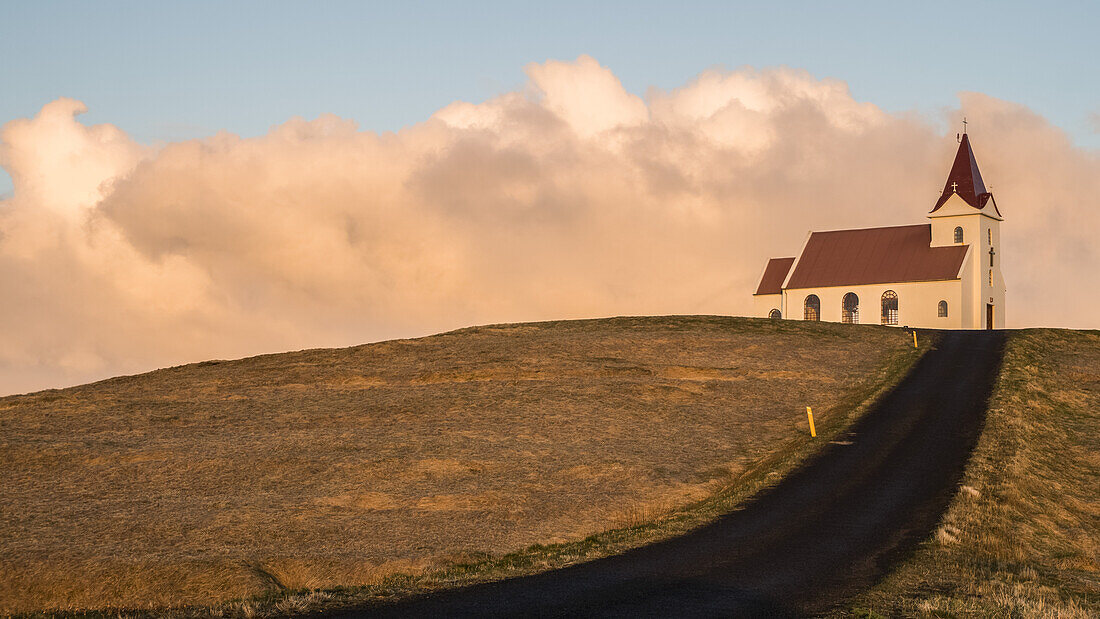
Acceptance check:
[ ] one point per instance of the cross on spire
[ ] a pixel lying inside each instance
(964, 125)
(954, 186)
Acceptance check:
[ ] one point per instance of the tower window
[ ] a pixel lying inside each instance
(990, 277)
(989, 232)
(958, 234)
(941, 310)
(775, 314)
(850, 309)
(889, 308)
(812, 308)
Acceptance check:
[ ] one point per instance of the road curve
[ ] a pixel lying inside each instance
(829, 530)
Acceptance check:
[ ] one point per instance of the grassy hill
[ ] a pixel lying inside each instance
(410, 464)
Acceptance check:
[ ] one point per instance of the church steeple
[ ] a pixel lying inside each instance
(965, 180)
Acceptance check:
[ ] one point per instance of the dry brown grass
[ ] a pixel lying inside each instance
(225, 480)
(1022, 538)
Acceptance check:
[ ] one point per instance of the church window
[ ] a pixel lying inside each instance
(889, 308)
(958, 234)
(990, 233)
(776, 314)
(990, 277)
(850, 309)
(813, 308)
(941, 311)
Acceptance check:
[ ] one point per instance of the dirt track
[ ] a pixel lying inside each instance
(829, 530)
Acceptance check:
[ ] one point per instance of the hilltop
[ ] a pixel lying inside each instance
(323, 468)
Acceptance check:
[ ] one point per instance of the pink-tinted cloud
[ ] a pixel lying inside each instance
(572, 198)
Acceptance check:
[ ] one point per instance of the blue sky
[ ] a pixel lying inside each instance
(170, 71)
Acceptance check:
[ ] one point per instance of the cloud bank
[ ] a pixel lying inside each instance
(572, 198)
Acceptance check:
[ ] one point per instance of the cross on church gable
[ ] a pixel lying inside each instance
(954, 186)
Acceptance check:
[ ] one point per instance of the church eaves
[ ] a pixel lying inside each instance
(965, 180)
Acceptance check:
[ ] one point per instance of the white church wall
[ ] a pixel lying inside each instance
(763, 304)
(943, 229)
(918, 303)
(971, 291)
(994, 292)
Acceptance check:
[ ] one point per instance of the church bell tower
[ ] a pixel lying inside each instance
(967, 214)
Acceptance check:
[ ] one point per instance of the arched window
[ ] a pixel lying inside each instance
(941, 310)
(813, 308)
(889, 308)
(958, 234)
(850, 309)
(776, 314)
(990, 233)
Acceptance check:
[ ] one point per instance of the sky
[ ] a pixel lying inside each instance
(214, 180)
(168, 71)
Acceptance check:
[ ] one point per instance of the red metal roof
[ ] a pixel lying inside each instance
(874, 256)
(965, 180)
(774, 274)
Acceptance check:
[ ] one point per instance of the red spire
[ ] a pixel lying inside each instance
(965, 180)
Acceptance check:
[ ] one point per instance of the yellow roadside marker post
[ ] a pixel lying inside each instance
(914, 338)
(810, 416)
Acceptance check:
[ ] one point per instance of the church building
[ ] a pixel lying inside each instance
(945, 274)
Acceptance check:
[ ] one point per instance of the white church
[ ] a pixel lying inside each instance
(941, 275)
